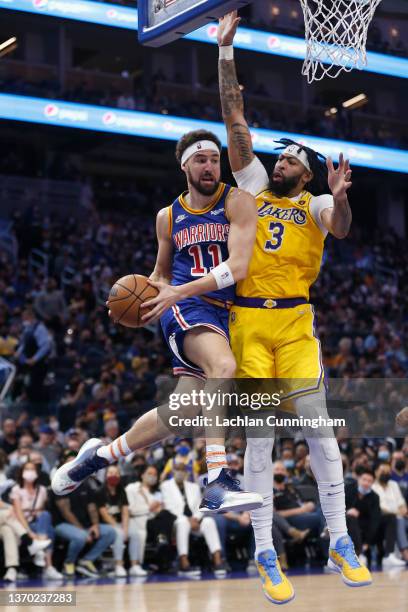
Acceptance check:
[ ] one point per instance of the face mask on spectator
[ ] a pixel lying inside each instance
(364, 491)
(113, 480)
(289, 464)
(400, 465)
(183, 451)
(179, 476)
(30, 475)
(151, 480)
(383, 455)
(384, 478)
(279, 478)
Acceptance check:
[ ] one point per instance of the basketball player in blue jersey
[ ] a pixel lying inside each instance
(205, 242)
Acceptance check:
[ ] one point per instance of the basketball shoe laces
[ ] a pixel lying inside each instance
(90, 465)
(348, 553)
(228, 482)
(268, 561)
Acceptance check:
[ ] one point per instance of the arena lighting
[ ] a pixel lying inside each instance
(8, 46)
(171, 128)
(118, 16)
(356, 101)
(331, 111)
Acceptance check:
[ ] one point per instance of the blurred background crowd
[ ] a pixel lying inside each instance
(78, 375)
(77, 212)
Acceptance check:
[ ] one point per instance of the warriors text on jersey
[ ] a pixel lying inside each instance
(200, 240)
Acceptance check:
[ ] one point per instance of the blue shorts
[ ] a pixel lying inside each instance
(182, 317)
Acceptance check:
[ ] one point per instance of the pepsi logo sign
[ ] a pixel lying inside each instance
(51, 110)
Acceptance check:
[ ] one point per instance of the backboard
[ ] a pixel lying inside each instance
(162, 21)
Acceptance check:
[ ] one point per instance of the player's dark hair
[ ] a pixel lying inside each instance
(317, 162)
(192, 137)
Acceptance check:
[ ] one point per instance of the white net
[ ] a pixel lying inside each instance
(336, 36)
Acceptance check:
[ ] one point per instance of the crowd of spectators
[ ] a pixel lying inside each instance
(79, 375)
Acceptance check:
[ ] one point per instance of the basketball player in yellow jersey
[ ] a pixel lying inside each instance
(272, 323)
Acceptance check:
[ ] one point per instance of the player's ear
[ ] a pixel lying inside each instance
(307, 177)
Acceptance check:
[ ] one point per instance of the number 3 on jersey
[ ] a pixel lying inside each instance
(276, 230)
(199, 269)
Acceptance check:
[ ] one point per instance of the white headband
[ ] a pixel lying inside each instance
(293, 151)
(199, 147)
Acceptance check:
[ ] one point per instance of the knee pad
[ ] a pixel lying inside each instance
(259, 453)
(329, 448)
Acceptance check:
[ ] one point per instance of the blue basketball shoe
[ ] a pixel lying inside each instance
(72, 474)
(224, 494)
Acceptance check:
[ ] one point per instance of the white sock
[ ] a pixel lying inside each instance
(116, 449)
(258, 472)
(216, 460)
(325, 461)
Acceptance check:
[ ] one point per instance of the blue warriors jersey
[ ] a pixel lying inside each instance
(200, 239)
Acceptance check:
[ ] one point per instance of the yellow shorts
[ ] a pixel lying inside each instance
(278, 343)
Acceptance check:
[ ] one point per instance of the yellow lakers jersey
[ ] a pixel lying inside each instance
(288, 250)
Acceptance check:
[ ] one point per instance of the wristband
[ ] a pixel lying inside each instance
(223, 276)
(226, 53)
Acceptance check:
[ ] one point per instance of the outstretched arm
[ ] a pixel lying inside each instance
(242, 214)
(240, 149)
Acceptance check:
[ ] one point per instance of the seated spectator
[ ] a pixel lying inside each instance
(183, 454)
(363, 514)
(42, 468)
(302, 515)
(182, 498)
(114, 511)
(47, 446)
(8, 437)
(29, 500)
(393, 508)
(77, 520)
(105, 391)
(147, 518)
(399, 472)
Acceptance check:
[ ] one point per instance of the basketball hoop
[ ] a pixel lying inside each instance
(336, 36)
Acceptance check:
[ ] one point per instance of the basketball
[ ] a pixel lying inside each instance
(126, 297)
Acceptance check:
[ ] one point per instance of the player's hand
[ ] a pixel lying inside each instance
(227, 28)
(402, 417)
(168, 296)
(339, 178)
(110, 313)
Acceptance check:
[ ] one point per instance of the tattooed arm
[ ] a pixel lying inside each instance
(240, 149)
